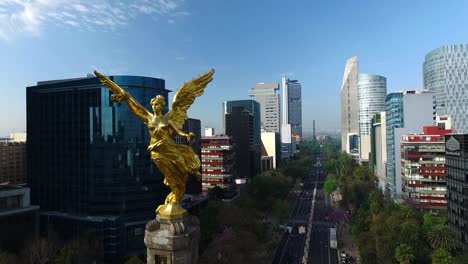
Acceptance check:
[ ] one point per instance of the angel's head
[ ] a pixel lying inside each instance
(158, 103)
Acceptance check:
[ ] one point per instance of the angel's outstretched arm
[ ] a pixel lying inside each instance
(120, 95)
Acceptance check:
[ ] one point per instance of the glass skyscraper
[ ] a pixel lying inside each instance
(253, 107)
(294, 108)
(372, 90)
(394, 119)
(88, 164)
(446, 76)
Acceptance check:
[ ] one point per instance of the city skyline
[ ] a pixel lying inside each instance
(177, 40)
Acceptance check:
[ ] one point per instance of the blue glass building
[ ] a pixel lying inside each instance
(406, 112)
(89, 168)
(446, 75)
(394, 119)
(372, 90)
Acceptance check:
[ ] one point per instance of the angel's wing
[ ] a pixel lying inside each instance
(185, 97)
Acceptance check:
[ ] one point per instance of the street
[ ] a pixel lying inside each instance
(314, 245)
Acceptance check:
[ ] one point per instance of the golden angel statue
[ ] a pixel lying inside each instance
(174, 160)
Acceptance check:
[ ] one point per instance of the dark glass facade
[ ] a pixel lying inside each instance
(456, 162)
(240, 126)
(295, 108)
(253, 107)
(87, 158)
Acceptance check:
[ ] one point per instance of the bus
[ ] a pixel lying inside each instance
(333, 241)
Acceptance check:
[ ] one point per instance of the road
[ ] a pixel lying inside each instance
(292, 245)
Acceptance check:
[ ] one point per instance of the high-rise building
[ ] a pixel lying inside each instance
(89, 168)
(295, 108)
(349, 106)
(194, 184)
(291, 117)
(456, 162)
(446, 75)
(245, 134)
(372, 90)
(268, 98)
(13, 165)
(424, 180)
(218, 164)
(406, 113)
(313, 131)
(379, 149)
(239, 126)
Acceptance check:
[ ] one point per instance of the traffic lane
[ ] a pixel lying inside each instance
(316, 250)
(293, 249)
(281, 246)
(320, 251)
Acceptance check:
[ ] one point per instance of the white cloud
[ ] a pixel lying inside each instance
(171, 21)
(31, 17)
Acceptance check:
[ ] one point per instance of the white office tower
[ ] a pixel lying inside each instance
(350, 107)
(266, 95)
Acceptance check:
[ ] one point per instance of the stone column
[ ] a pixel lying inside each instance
(172, 241)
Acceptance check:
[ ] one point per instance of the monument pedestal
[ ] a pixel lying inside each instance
(172, 241)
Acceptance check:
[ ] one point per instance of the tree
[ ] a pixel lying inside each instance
(441, 256)
(407, 212)
(441, 237)
(430, 220)
(134, 260)
(40, 251)
(462, 258)
(216, 193)
(404, 254)
(330, 186)
(8, 258)
(280, 210)
(82, 249)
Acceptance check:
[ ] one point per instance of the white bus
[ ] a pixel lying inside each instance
(333, 241)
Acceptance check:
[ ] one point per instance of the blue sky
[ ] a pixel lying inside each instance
(245, 41)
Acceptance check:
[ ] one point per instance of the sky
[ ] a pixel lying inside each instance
(245, 41)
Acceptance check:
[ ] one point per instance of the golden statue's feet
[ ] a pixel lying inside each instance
(168, 211)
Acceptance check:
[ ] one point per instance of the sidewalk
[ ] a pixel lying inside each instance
(345, 242)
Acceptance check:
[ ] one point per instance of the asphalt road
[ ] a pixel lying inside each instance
(292, 245)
